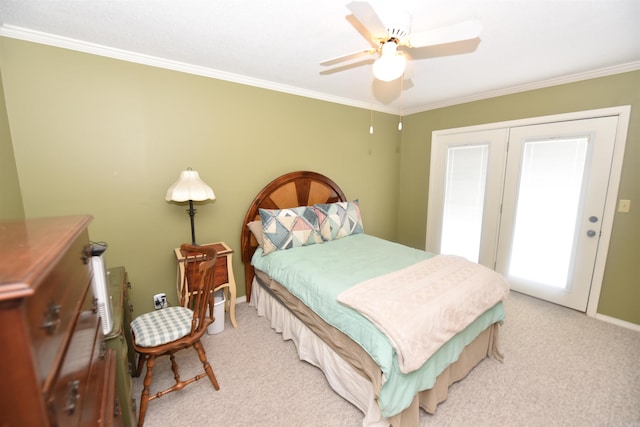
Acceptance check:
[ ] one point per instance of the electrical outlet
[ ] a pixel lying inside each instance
(159, 301)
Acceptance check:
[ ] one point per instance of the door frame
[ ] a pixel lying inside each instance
(623, 113)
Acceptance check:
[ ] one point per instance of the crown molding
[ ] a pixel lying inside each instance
(25, 34)
(569, 78)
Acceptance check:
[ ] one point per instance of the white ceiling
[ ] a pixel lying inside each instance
(279, 44)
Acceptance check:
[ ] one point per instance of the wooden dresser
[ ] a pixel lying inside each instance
(55, 368)
(119, 339)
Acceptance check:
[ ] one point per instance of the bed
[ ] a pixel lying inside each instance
(316, 288)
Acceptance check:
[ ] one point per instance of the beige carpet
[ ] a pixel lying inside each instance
(561, 368)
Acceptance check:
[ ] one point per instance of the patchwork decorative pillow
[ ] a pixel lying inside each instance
(289, 228)
(339, 219)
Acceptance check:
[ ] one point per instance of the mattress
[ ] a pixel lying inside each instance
(349, 370)
(316, 274)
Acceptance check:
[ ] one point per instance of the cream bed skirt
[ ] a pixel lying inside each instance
(351, 384)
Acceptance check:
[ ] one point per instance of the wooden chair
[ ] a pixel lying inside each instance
(166, 331)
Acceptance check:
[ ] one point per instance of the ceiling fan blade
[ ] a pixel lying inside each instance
(347, 66)
(465, 30)
(348, 57)
(369, 18)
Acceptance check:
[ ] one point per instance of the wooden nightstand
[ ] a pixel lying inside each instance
(224, 278)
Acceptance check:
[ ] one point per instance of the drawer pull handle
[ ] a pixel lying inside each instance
(73, 396)
(116, 408)
(52, 318)
(86, 254)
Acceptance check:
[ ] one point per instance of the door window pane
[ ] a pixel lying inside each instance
(547, 210)
(465, 184)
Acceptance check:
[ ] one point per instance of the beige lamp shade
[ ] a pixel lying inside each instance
(189, 186)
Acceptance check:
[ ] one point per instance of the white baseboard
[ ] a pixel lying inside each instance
(618, 322)
(241, 299)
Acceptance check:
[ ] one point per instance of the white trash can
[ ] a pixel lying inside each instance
(218, 313)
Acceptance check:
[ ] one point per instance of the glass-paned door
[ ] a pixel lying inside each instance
(551, 179)
(554, 196)
(464, 194)
(527, 200)
(464, 200)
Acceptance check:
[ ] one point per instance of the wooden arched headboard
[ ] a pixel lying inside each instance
(302, 188)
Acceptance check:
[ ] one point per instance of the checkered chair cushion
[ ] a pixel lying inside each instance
(161, 326)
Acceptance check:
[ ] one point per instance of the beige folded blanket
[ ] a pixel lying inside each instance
(422, 306)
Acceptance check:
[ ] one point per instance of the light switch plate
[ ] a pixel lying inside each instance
(624, 205)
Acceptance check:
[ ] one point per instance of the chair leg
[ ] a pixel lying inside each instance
(174, 368)
(141, 360)
(205, 363)
(144, 398)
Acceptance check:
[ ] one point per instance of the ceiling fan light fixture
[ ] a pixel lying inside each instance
(391, 63)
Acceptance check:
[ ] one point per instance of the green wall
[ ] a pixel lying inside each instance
(620, 295)
(10, 197)
(106, 137)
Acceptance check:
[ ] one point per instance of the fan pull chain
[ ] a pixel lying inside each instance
(371, 116)
(401, 87)
(371, 121)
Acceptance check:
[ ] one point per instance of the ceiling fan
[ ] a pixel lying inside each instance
(393, 30)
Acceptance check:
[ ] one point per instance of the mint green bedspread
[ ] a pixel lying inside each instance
(317, 274)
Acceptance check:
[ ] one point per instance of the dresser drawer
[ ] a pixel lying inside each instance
(52, 310)
(221, 275)
(72, 391)
(99, 404)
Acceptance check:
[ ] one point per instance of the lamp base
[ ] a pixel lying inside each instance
(192, 213)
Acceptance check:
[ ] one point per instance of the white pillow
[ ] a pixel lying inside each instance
(256, 229)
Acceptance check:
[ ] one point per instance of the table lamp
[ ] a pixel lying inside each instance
(189, 187)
